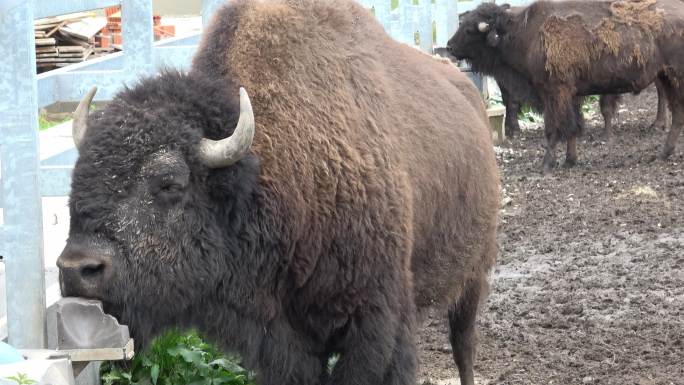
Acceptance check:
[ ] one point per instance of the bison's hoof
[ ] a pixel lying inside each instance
(547, 169)
(607, 137)
(570, 163)
(658, 127)
(512, 133)
(663, 156)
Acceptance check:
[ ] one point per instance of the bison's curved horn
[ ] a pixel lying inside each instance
(483, 27)
(224, 152)
(80, 123)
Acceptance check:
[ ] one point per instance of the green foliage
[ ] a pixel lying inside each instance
(332, 361)
(44, 124)
(588, 104)
(528, 115)
(176, 358)
(494, 101)
(21, 379)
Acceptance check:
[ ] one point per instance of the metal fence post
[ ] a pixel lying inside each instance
(22, 230)
(208, 9)
(446, 17)
(138, 37)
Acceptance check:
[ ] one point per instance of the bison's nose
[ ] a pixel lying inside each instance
(83, 271)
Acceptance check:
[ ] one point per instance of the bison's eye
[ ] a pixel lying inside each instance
(169, 189)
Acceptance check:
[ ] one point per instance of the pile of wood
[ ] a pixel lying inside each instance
(66, 39)
(73, 38)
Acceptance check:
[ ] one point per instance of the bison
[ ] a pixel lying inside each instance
(567, 49)
(517, 91)
(316, 218)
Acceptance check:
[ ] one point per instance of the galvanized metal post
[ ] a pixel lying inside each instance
(22, 230)
(138, 37)
(425, 25)
(446, 17)
(208, 9)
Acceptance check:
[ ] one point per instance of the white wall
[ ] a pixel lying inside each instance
(177, 7)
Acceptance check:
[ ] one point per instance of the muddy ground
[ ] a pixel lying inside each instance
(589, 285)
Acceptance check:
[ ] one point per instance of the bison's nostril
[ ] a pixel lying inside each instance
(92, 270)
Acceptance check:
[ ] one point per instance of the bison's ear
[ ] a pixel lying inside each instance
(493, 38)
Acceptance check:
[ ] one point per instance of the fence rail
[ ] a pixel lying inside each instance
(24, 180)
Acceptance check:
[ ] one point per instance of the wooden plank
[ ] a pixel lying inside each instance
(75, 54)
(85, 28)
(68, 17)
(57, 27)
(46, 41)
(46, 49)
(44, 27)
(71, 48)
(60, 60)
(44, 55)
(67, 39)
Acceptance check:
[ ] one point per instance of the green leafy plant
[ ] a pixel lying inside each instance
(176, 358)
(528, 115)
(44, 123)
(21, 379)
(588, 104)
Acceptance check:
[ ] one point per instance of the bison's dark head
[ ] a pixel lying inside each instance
(478, 36)
(163, 175)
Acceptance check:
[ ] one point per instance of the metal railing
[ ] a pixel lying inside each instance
(22, 92)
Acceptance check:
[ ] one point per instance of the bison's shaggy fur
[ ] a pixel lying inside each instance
(370, 189)
(573, 41)
(574, 48)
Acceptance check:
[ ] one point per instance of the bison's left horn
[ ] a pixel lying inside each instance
(80, 123)
(224, 152)
(483, 27)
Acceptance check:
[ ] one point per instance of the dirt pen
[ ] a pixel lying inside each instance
(589, 285)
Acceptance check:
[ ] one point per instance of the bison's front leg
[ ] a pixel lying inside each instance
(551, 137)
(661, 122)
(562, 119)
(378, 349)
(674, 90)
(512, 110)
(608, 104)
(675, 129)
(286, 357)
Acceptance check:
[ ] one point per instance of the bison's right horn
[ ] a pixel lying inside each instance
(483, 27)
(80, 123)
(224, 152)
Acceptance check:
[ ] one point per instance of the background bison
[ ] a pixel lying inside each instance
(569, 49)
(353, 194)
(517, 90)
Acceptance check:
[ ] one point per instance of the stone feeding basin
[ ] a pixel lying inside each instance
(80, 327)
(79, 332)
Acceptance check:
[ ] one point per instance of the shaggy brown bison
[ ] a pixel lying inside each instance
(314, 220)
(516, 90)
(573, 48)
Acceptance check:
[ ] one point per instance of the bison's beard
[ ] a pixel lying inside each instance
(143, 325)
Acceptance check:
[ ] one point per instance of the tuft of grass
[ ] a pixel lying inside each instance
(21, 379)
(44, 124)
(588, 105)
(175, 358)
(528, 115)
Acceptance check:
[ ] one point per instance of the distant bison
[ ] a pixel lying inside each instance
(517, 91)
(574, 48)
(313, 220)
